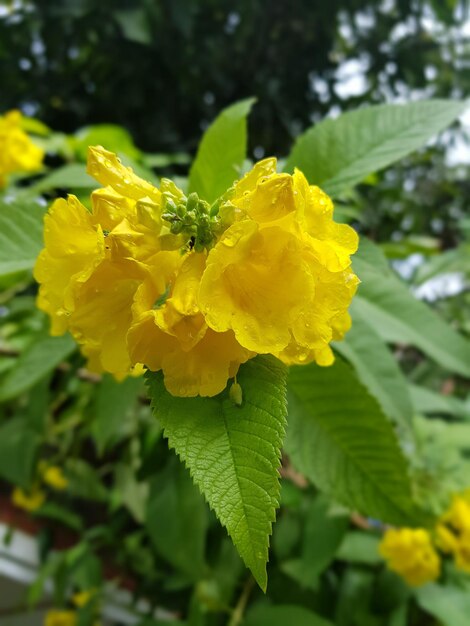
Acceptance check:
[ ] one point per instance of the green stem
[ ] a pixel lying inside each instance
(239, 610)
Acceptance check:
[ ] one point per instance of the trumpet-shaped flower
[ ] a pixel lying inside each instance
(152, 277)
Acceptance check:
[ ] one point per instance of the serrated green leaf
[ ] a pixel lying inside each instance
(336, 154)
(37, 360)
(221, 152)
(21, 226)
(378, 370)
(176, 519)
(397, 316)
(233, 452)
(340, 439)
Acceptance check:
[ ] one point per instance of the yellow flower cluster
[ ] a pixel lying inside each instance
(410, 553)
(60, 618)
(17, 152)
(413, 554)
(453, 531)
(33, 499)
(150, 277)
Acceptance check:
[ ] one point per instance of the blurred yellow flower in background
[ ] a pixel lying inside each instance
(54, 477)
(410, 553)
(453, 531)
(60, 618)
(28, 500)
(17, 152)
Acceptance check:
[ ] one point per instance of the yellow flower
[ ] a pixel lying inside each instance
(410, 553)
(17, 152)
(280, 276)
(173, 336)
(150, 277)
(453, 531)
(29, 501)
(82, 598)
(74, 247)
(54, 477)
(60, 618)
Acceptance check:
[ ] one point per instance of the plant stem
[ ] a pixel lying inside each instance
(238, 611)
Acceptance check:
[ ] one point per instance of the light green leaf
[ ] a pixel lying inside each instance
(110, 136)
(177, 520)
(450, 605)
(359, 547)
(430, 402)
(221, 152)
(37, 360)
(378, 371)
(21, 226)
(233, 452)
(282, 614)
(397, 316)
(340, 439)
(18, 448)
(70, 176)
(337, 154)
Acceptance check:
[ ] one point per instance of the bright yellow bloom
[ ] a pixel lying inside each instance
(60, 618)
(410, 553)
(17, 152)
(453, 531)
(173, 336)
(29, 501)
(54, 477)
(151, 277)
(280, 276)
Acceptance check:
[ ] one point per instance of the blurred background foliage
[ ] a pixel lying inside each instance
(161, 71)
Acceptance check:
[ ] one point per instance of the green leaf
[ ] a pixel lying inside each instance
(450, 605)
(322, 536)
(221, 152)
(37, 360)
(282, 614)
(177, 520)
(84, 481)
(378, 371)
(360, 547)
(21, 225)
(70, 176)
(340, 439)
(233, 452)
(397, 316)
(430, 402)
(337, 154)
(110, 136)
(114, 410)
(18, 448)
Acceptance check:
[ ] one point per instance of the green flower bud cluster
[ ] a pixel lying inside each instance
(193, 217)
